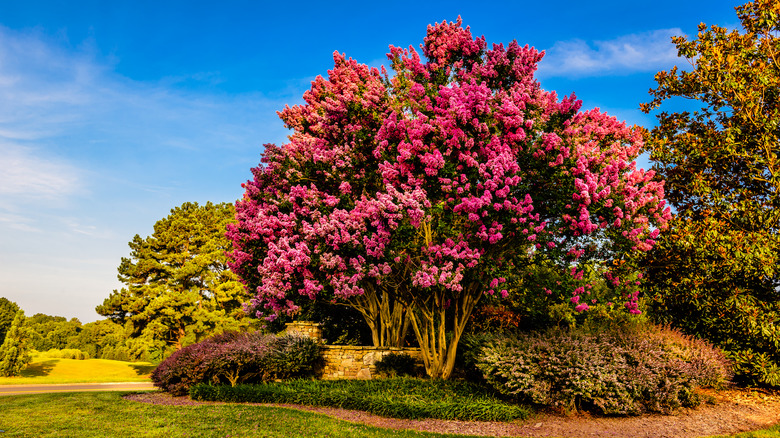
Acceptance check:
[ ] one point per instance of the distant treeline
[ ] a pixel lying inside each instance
(102, 339)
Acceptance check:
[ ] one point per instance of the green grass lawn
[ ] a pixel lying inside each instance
(102, 414)
(51, 371)
(106, 414)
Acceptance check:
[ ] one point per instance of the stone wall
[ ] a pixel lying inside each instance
(354, 362)
(310, 329)
(347, 361)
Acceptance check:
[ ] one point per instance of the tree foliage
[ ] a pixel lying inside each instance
(104, 339)
(414, 195)
(14, 352)
(8, 311)
(717, 273)
(178, 287)
(47, 332)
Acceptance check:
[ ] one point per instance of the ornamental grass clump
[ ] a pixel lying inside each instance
(233, 357)
(627, 370)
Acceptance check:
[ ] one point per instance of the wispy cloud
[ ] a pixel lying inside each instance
(57, 100)
(33, 177)
(647, 51)
(89, 157)
(17, 223)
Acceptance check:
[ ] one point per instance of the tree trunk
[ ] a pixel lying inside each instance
(430, 321)
(386, 317)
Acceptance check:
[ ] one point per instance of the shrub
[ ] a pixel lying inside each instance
(65, 353)
(622, 370)
(293, 356)
(234, 358)
(397, 364)
(408, 398)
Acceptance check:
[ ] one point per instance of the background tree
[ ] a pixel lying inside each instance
(47, 332)
(178, 286)
(8, 311)
(14, 352)
(103, 339)
(716, 274)
(439, 185)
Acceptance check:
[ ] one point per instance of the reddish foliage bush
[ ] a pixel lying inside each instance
(235, 357)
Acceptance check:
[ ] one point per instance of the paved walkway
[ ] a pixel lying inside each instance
(74, 387)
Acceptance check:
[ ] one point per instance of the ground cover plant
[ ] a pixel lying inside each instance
(234, 357)
(626, 369)
(44, 370)
(393, 397)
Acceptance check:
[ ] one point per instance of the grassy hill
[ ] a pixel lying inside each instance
(45, 370)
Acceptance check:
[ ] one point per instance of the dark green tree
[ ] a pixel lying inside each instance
(14, 352)
(178, 287)
(47, 332)
(102, 339)
(716, 274)
(8, 311)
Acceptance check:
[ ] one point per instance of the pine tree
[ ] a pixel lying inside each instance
(178, 287)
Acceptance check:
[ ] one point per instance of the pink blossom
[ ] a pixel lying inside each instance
(441, 170)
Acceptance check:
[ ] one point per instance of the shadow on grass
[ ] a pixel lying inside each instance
(39, 369)
(143, 370)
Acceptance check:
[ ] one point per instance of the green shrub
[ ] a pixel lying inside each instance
(408, 398)
(628, 369)
(293, 356)
(65, 353)
(397, 364)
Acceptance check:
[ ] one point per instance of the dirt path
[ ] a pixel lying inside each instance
(735, 411)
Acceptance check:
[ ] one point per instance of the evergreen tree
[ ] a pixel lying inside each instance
(8, 311)
(178, 287)
(14, 355)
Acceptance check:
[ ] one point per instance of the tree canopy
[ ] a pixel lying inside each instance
(717, 272)
(14, 351)
(178, 286)
(413, 195)
(8, 311)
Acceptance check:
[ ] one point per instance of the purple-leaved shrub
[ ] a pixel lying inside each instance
(624, 370)
(235, 357)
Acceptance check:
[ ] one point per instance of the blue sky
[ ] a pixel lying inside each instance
(114, 112)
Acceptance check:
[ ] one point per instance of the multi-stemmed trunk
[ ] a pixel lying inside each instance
(432, 318)
(387, 317)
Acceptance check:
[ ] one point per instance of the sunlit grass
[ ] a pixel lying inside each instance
(772, 432)
(52, 371)
(106, 414)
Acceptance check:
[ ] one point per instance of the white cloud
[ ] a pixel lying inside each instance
(27, 175)
(647, 51)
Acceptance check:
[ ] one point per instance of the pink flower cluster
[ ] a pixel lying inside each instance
(444, 171)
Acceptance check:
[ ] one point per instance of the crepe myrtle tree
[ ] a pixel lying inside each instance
(412, 195)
